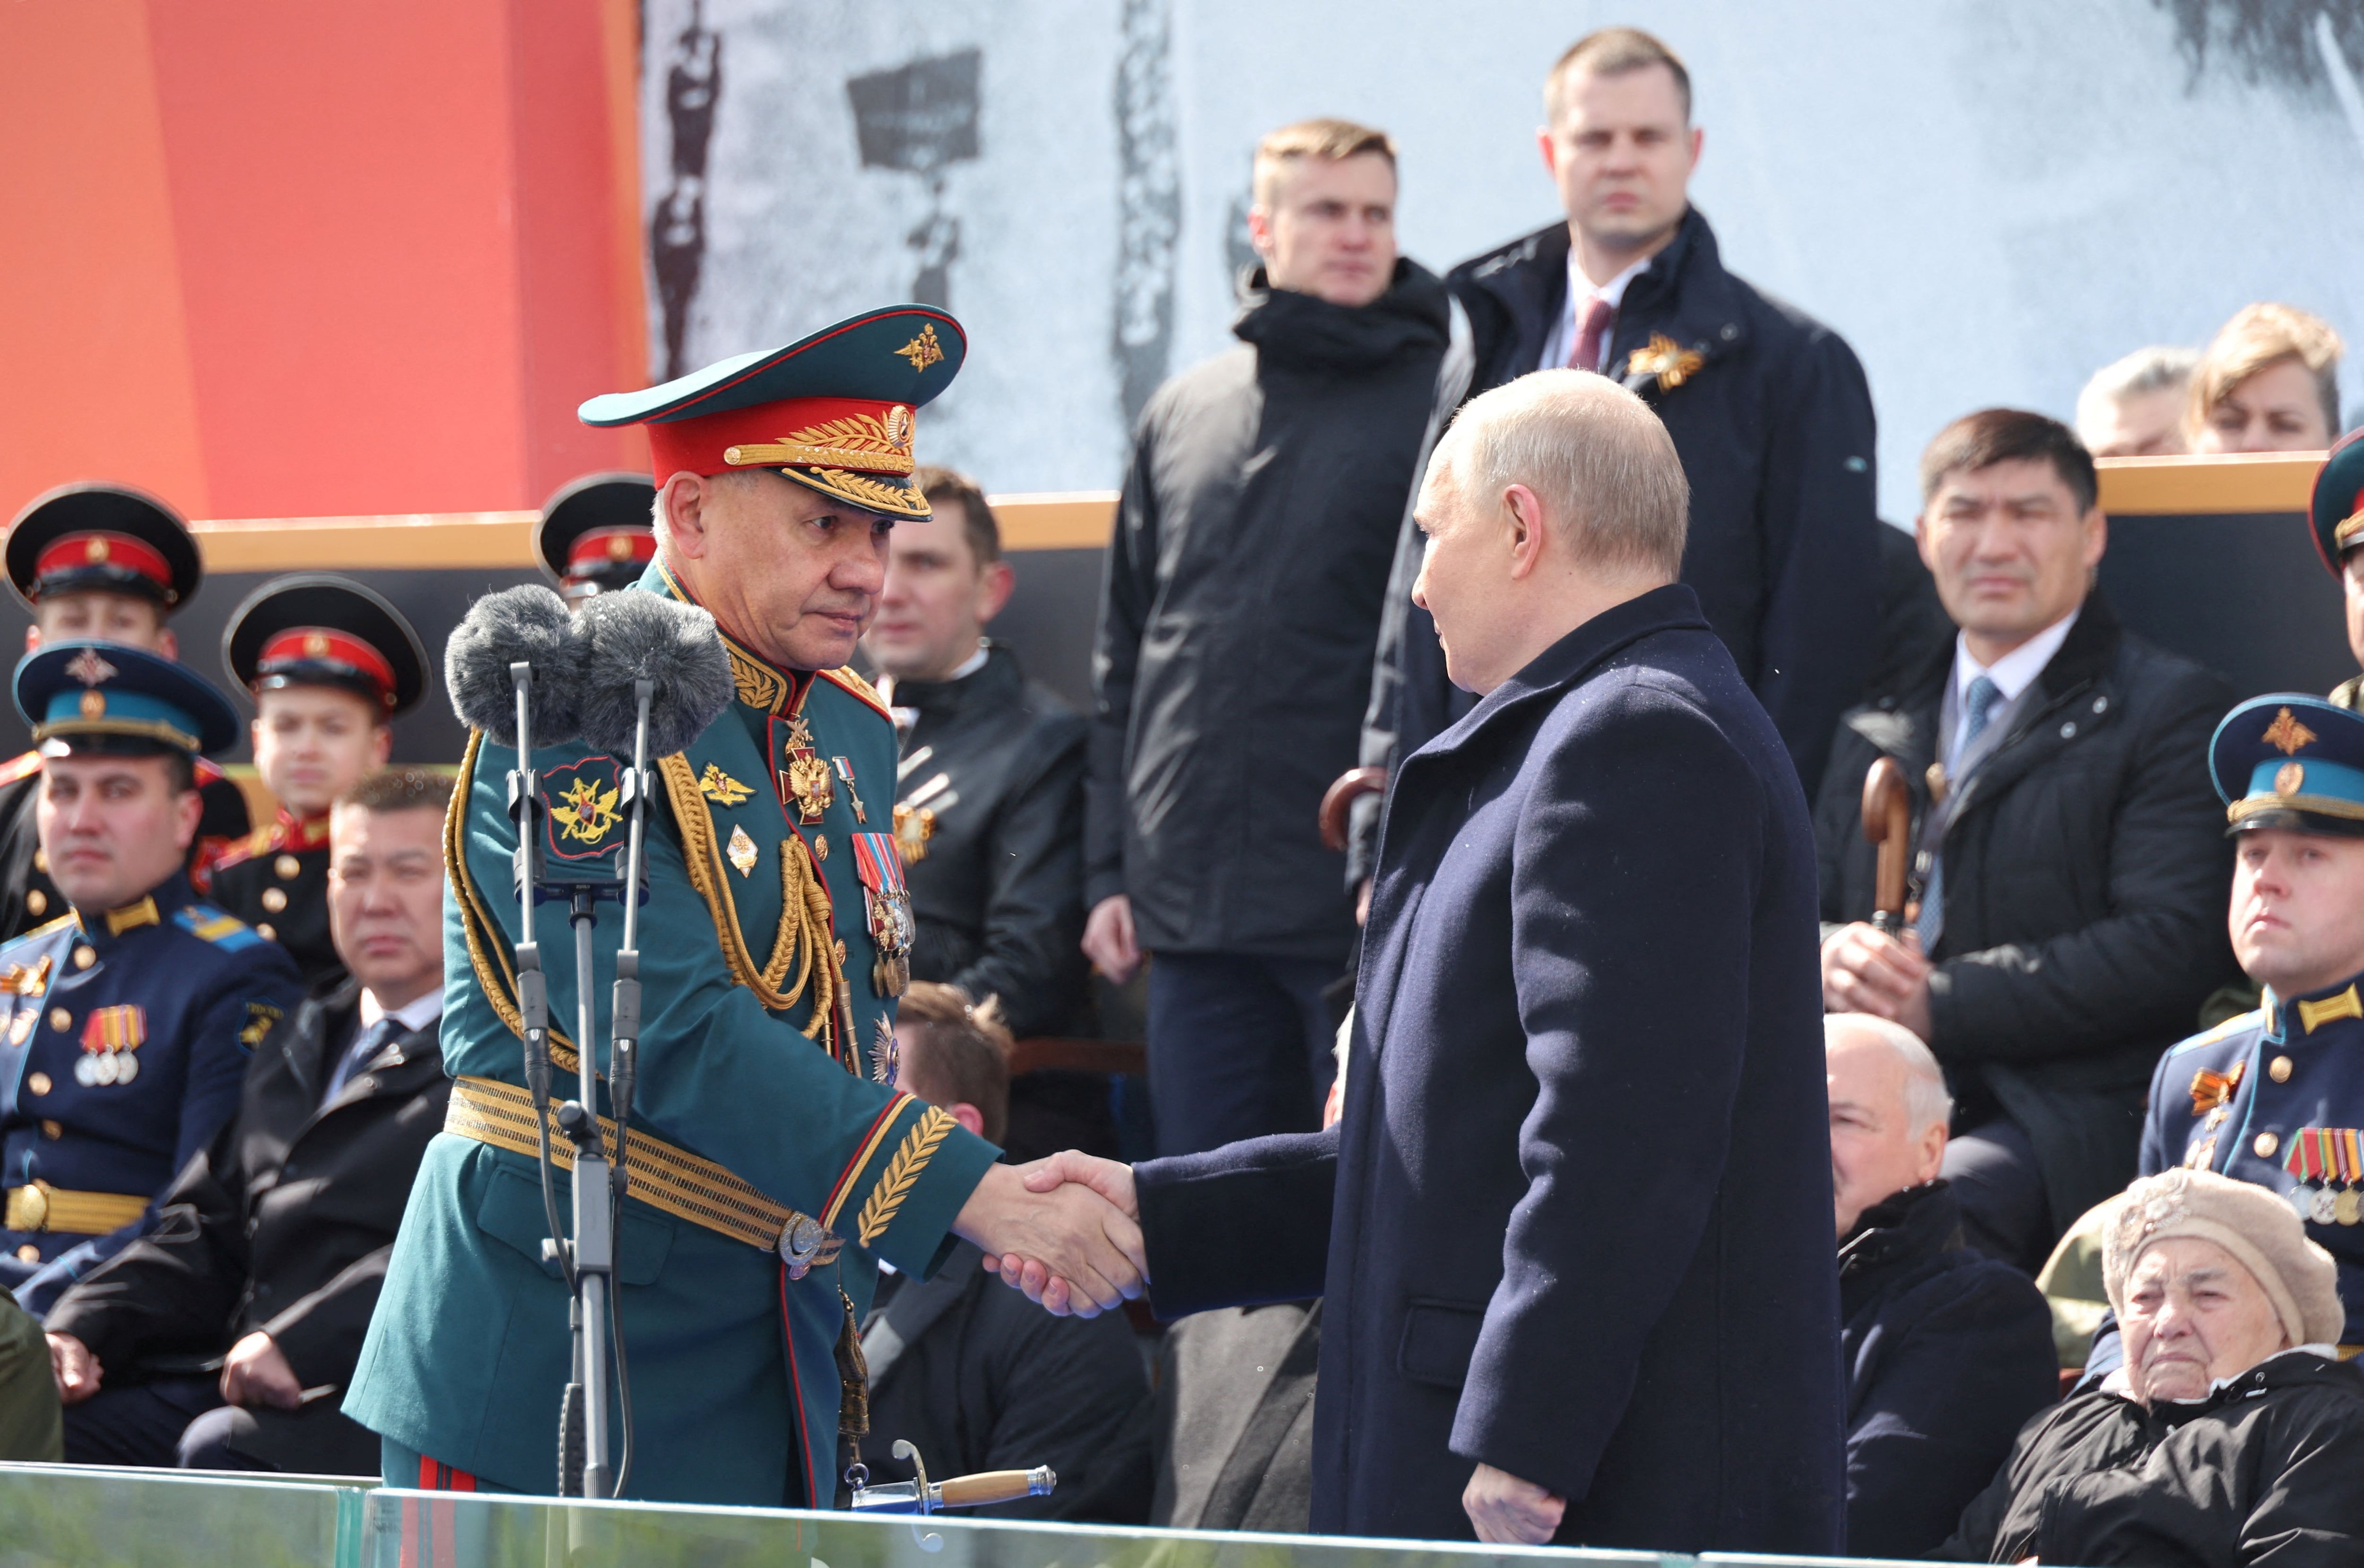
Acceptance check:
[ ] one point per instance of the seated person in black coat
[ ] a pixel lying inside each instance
(222, 1339)
(2230, 1436)
(1947, 1351)
(989, 809)
(969, 1373)
(2070, 856)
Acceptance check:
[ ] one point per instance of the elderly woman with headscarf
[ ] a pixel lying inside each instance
(2233, 1435)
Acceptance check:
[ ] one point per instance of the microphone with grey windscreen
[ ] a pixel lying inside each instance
(630, 637)
(529, 624)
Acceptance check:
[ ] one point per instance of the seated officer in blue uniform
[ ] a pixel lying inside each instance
(125, 1024)
(2276, 1096)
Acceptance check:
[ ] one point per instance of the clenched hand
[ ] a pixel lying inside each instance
(1509, 1511)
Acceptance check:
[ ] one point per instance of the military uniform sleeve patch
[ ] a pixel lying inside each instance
(224, 930)
(260, 1016)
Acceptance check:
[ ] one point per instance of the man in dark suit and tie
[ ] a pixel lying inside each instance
(1576, 1216)
(219, 1340)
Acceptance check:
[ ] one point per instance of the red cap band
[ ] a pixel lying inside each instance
(601, 546)
(76, 552)
(324, 645)
(857, 433)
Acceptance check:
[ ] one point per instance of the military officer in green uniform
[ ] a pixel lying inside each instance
(773, 1165)
(99, 563)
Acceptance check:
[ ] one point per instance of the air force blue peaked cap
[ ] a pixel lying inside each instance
(106, 698)
(833, 411)
(2288, 759)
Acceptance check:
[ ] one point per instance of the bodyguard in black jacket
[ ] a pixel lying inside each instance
(1238, 619)
(283, 1226)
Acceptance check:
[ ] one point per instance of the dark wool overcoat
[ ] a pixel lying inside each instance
(1577, 1216)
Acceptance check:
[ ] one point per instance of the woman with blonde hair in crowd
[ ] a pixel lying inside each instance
(2269, 382)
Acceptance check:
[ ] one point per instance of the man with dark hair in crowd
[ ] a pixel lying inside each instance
(989, 801)
(126, 1022)
(1238, 621)
(1767, 406)
(1948, 1352)
(968, 1371)
(2071, 862)
(219, 1340)
(99, 563)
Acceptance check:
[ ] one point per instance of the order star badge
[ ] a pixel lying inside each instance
(1667, 360)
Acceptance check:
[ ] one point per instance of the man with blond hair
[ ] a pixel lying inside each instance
(1573, 1230)
(1238, 617)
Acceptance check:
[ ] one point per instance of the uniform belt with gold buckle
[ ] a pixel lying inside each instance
(663, 1176)
(37, 1206)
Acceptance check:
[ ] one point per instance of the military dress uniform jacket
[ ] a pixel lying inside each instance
(276, 880)
(284, 1224)
(1581, 1221)
(991, 826)
(756, 1059)
(27, 896)
(123, 1044)
(2276, 1098)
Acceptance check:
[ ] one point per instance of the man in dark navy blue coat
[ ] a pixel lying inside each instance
(1579, 1284)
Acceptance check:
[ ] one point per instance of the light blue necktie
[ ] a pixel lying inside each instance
(1978, 707)
(375, 1039)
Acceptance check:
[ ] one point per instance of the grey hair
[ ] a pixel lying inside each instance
(1926, 1100)
(2162, 367)
(1592, 451)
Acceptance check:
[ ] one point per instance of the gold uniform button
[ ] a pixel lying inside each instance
(820, 846)
(37, 902)
(839, 948)
(267, 931)
(29, 1253)
(42, 861)
(53, 1130)
(2280, 1070)
(275, 899)
(2266, 1145)
(60, 1019)
(288, 867)
(84, 958)
(37, 1083)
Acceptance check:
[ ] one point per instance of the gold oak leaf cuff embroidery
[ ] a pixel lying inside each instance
(902, 1172)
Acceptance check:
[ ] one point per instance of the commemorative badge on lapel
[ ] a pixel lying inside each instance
(584, 808)
(110, 1038)
(1664, 361)
(888, 902)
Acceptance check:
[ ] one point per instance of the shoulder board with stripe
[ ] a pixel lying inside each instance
(2252, 1019)
(218, 927)
(17, 769)
(844, 679)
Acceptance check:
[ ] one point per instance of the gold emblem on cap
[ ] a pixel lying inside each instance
(2288, 777)
(316, 645)
(2286, 734)
(94, 705)
(923, 351)
(899, 426)
(97, 549)
(619, 547)
(88, 669)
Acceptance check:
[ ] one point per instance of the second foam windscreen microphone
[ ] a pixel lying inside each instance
(632, 637)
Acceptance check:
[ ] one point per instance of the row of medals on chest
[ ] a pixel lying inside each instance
(2326, 1162)
(111, 1035)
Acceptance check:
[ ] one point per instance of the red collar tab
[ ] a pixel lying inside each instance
(859, 434)
(291, 651)
(608, 547)
(99, 551)
(301, 832)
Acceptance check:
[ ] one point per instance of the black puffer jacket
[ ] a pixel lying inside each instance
(2086, 874)
(1947, 1353)
(1239, 615)
(993, 768)
(2265, 1471)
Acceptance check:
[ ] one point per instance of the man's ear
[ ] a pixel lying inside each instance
(685, 497)
(33, 637)
(994, 590)
(381, 745)
(2097, 536)
(969, 1116)
(1523, 513)
(188, 810)
(1549, 149)
(1922, 542)
(168, 645)
(1260, 231)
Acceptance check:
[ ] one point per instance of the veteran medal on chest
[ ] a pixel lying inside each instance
(888, 899)
(2327, 1163)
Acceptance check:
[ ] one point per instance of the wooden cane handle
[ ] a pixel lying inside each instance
(1339, 798)
(1887, 822)
(987, 1486)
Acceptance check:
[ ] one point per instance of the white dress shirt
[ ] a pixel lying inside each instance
(1580, 292)
(2012, 674)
